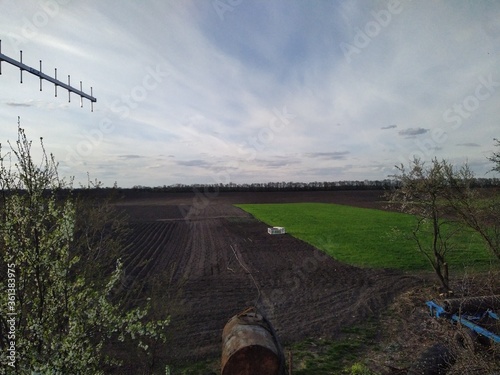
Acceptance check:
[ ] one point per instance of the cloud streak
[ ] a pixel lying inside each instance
(339, 155)
(11, 104)
(412, 132)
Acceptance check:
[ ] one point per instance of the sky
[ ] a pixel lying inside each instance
(243, 91)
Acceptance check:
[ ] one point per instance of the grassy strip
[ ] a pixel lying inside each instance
(340, 356)
(366, 237)
(209, 366)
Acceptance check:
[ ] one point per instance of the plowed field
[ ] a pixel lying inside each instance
(212, 260)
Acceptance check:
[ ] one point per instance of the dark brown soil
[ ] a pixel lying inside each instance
(208, 260)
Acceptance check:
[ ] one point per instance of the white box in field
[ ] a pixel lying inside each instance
(276, 230)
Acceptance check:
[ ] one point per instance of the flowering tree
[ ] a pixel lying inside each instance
(58, 315)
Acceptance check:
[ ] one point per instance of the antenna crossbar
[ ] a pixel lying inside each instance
(41, 75)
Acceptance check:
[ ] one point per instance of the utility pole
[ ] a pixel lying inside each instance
(22, 67)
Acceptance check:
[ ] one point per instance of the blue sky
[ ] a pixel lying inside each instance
(244, 91)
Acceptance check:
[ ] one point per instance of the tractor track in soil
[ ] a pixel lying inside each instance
(214, 260)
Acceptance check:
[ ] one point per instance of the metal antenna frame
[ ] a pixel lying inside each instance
(43, 76)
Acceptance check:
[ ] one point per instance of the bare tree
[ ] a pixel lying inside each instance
(478, 209)
(421, 192)
(495, 157)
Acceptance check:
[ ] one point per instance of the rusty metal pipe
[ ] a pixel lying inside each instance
(471, 304)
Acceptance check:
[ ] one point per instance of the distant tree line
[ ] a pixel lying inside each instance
(296, 186)
(96, 190)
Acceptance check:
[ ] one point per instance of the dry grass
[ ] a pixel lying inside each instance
(408, 329)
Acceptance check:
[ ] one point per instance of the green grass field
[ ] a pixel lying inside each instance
(366, 237)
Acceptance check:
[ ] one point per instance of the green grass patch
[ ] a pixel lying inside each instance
(198, 368)
(340, 356)
(366, 237)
